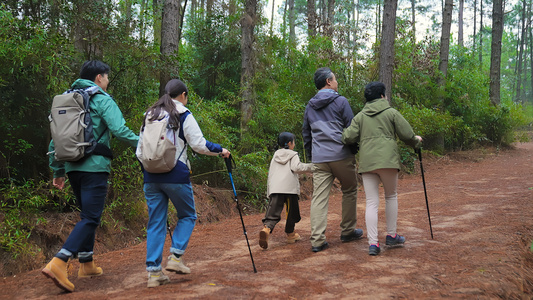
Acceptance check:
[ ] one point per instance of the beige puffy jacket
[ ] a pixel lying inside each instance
(283, 172)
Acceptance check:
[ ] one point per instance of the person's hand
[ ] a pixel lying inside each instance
(59, 182)
(419, 138)
(225, 153)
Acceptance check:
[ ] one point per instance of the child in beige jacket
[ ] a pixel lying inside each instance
(283, 187)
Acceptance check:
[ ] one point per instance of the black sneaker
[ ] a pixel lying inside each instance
(355, 235)
(395, 241)
(374, 250)
(320, 248)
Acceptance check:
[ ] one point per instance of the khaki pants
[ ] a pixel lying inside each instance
(323, 176)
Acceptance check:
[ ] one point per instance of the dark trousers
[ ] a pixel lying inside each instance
(90, 190)
(275, 207)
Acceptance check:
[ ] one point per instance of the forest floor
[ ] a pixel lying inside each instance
(481, 212)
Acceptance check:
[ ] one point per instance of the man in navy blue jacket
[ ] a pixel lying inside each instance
(326, 115)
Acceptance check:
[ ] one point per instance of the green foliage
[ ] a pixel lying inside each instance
(21, 206)
(34, 64)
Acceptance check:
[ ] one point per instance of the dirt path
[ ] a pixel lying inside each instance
(482, 224)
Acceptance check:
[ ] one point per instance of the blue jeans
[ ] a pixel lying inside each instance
(90, 190)
(157, 195)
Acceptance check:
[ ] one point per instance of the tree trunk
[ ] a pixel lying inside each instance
(329, 18)
(311, 18)
(460, 40)
(413, 19)
(496, 52)
(378, 20)
(169, 43)
(521, 54)
(292, 23)
(531, 55)
(271, 31)
(445, 41)
(248, 63)
(284, 27)
(157, 15)
(475, 16)
(481, 35)
(386, 51)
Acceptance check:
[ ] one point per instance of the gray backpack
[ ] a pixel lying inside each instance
(71, 126)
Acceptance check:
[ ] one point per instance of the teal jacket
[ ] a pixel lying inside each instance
(375, 129)
(104, 114)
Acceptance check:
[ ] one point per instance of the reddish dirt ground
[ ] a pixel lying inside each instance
(481, 212)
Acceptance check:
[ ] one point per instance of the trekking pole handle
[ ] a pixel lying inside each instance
(228, 162)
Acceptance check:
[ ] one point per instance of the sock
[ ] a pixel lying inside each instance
(62, 256)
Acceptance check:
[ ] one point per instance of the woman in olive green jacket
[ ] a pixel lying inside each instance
(375, 129)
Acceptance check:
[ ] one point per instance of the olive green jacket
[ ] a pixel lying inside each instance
(105, 113)
(375, 129)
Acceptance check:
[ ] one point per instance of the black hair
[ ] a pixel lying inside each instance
(92, 68)
(321, 75)
(374, 90)
(174, 88)
(284, 138)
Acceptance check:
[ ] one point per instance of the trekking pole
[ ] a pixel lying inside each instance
(229, 167)
(419, 151)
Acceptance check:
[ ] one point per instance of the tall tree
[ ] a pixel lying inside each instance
(330, 18)
(523, 35)
(311, 18)
(386, 51)
(481, 33)
(460, 40)
(496, 52)
(169, 43)
(273, 12)
(157, 10)
(531, 51)
(413, 19)
(475, 16)
(248, 22)
(292, 23)
(445, 41)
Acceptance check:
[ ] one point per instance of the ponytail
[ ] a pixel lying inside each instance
(173, 89)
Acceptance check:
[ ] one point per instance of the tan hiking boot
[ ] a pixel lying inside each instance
(56, 270)
(263, 237)
(293, 237)
(89, 269)
(157, 279)
(175, 264)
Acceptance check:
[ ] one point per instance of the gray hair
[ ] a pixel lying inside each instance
(321, 75)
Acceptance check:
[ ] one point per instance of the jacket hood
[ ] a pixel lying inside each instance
(180, 107)
(375, 106)
(322, 99)
(82, 83)
(283, 156)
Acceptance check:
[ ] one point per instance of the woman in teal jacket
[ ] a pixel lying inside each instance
(375, 129)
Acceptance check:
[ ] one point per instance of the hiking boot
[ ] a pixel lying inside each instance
(355, 235)
(263, 237)
(56, 270)
(293, 237)
(395, 240)
(89, 269)
(175, 264)
(157, 279)
(373, 250)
